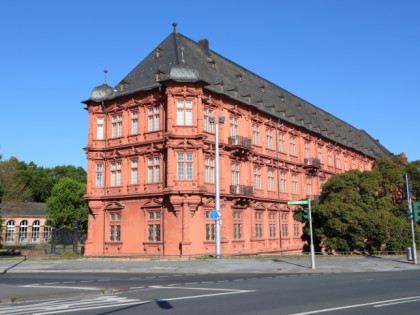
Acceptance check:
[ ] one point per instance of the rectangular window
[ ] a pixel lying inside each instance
(307, 150)
(184, 113)
(281, 142)
(296, 230)
(292, 145)
(258, 225)
(117, 126)
(116, 174)
(257, 177)
(346, 162)
(337, 160)
(208, 127)
(285, 230)
(283, 182)
(233, 131)
(210, 228)
(237, 225)
(99, 176)
(154, 232)
(255, 134)
(237, 231)
(134, 172)
(309, 186)
(234, 174)
(209, 171)
(273, 225)
(153, 170)
(185, 166)
(269, 138)
(153, 118)
(320, 154)
(115, 227)
(270, 181)
(134, 123)
(100, 128)
(294, 184)
(330, 158)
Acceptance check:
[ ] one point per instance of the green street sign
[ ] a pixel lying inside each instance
(298, 202)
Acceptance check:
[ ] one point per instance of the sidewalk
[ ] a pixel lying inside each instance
(324, 264)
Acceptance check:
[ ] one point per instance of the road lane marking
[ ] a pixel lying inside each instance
(399, 302)
(76, 305)
(59, 287)
(325, 310)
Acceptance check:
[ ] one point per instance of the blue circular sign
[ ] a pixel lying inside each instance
(214, 214)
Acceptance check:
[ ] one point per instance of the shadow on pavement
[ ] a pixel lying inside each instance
(11, 267)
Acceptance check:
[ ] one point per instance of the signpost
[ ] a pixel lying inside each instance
(307, 202)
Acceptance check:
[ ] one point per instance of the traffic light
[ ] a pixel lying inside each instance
(408, 215)
(306, 214)
(416, 210)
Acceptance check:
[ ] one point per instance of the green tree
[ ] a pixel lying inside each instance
(12, 187)
(69, 171)
(363, 210)
(38, 180)
(66, 206)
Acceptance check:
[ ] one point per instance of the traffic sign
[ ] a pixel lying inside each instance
(214, 214)
(298, 202)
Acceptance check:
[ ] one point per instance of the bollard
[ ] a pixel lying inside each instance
(409, 254)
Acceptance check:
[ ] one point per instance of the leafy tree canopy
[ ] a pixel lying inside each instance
(66, 206)
(364, 210)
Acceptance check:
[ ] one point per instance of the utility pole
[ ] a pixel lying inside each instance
(410, 210)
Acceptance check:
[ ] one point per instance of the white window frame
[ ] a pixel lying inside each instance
(185, 166)
(134, 172)
(100, 128)
(116, 174)
(184, 110)
(99, 175)
(153, 170)
(134, 122)
(209, 172)
(153, 118)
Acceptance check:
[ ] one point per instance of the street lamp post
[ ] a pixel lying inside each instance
(410, 209)
(221, 119)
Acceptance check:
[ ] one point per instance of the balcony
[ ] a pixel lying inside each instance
(241, 142)
(311, 163)
(241, 190)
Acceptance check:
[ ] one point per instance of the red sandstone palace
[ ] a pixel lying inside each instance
(151, 157)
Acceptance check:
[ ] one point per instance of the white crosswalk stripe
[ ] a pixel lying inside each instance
(59, 306)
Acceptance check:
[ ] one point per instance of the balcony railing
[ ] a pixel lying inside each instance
(312, 162)
(241, 190)
(240, 142)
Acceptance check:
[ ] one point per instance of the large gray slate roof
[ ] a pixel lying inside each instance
(23, 209)
(181, 59)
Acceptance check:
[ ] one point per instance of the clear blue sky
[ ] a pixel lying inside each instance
(357, 59)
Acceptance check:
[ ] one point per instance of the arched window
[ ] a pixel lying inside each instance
(10, 231)
(35, 231)
(23, 231)
(47, 233)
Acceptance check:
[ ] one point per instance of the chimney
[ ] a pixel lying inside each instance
(204, 45)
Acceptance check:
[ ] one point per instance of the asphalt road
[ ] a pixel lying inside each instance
(162, 293)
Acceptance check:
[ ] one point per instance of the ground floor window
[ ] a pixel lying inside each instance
(285, 230)
(154, 233)
(153, 228)
(10, 231)
(35, 231)
(296, 230)
(115, 227)
(23, 231)
(237, 231)
(210, 228)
